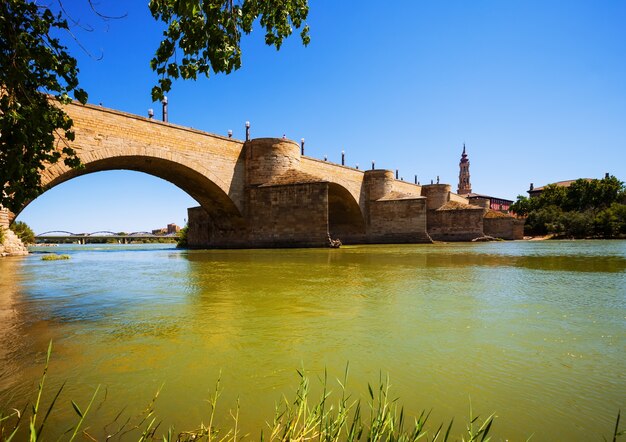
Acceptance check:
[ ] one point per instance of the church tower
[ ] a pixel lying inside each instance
(464, 176)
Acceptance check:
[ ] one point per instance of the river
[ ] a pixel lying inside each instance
(533, 331)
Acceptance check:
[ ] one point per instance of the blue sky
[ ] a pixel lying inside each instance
(536, 90)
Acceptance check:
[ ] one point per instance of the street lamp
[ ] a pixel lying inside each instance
(164, 103)
(247, 131)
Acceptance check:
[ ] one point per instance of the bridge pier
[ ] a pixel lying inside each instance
(288, 207)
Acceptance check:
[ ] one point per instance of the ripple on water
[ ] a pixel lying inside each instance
(535, 331)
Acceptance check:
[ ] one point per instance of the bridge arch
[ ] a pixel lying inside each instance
(194, 178)
(345, 218)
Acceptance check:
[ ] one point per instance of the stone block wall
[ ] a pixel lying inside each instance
(198, 228)
(458, 198)
(378, 183)
(407, 188)
(437, 195)
(455, 225)
(397, 221)
(268, 158)
(4, 218)
(11, 245)
(505, 228)
(485, 203)
(349, 178)
(294, 215)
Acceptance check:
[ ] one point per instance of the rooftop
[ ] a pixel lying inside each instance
(478, 195)
(565, 183)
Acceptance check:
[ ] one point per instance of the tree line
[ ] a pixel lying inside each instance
(585, 209)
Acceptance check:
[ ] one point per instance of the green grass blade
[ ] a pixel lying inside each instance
(82, 418)
(616, 432)
(77, 409)
(45, 418)
(448, 430)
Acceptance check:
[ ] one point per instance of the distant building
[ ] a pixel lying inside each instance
(169, 230)
(536, 191)
(464, 175)
(465, 189)
(172, 228)
(495, 203)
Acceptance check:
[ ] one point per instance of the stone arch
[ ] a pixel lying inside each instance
(345, 218)
(189, 175)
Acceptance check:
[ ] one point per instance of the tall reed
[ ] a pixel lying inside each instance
(331, 417)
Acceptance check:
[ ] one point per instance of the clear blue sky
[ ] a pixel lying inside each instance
(536, 89)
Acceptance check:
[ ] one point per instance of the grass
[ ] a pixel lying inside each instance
(54, 257)
(300, 418)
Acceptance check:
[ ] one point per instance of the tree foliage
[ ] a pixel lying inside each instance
(37, 72)
(587, 208)
(182, 242)
(206, 34)
(32, 65)
(23, 232)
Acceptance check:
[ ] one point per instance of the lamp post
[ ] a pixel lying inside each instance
(164, 103)
(230, 133)
(343, 158)
(150, 113)
(247, 131)
(301, 146)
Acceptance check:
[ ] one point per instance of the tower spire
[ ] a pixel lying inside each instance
(464, 175)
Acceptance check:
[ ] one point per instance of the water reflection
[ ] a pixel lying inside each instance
(533, 331)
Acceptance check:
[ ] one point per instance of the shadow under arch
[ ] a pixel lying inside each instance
(211, 197)
(345, 219)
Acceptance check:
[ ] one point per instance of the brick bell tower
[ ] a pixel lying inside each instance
(464, 175)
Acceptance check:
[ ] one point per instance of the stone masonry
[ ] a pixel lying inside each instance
(263, 192)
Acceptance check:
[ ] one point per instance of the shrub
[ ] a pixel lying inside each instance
(577, 224)
(182, 238)
(54, 257)
(23, 232)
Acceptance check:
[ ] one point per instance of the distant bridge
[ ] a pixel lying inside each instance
(63, 235)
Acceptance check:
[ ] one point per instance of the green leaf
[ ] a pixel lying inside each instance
(77, 409)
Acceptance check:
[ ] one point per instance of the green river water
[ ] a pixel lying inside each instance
(533, 331)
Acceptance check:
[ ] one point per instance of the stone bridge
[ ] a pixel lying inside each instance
(262, 192)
